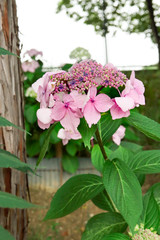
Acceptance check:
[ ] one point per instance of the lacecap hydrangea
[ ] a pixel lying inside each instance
(66, 97)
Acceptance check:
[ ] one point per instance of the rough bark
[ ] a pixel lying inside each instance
(154, 28)
(11, 105)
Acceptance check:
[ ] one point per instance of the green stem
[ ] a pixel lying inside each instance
(99, 140)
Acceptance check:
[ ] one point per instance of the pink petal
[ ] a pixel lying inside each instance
(76, 135)
(103, 103)
(116, 112)
(141, 99)
(44, 115)
(73, 106)
(139, 86)
(116, 139)
(92, 92)
(79, 99)
(61, 134)
(51, 101)
(65, 141)
(134, 95)
(132, 77)
(121, 131)
(70, 121)
(91, 115)
(67, 98)
(42, 125)
(125, 103)
(79, 113)
(127, 89)
(38, 83)
(58, 111)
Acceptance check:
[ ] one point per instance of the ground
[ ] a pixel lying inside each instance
(66, 228)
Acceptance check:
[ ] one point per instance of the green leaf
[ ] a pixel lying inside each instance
(6, 52)
(130, 135)
(30, 113)
(155, 189)
(33, 148)
(73, 194)
(116, 236)
(102, 224)
(4, 123)
(97, 158)
(141, 178)
(54, 139)
(8, 200)
(107, 127)
(124, 189)
(132, 146)
(45, 146)
(71, 148)
(150, 214)
(86, 132)
(123, 154)
(146, 162)
(102, 201)
(70, 164)
(4, 234)
(146, 125)
(8, 160)
(67, 66)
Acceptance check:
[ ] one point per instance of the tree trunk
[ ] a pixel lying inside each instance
(11, 107)
(154, 27)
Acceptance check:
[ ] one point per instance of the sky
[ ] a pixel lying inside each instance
(56, 35)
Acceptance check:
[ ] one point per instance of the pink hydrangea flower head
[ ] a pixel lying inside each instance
(66, 135)
(135, 89)
(44, 117)
(33, 52)
(30, 66)
(121, 107)
(112, 77)
(85, 74)
(118, 135)
(95, 105)
(66, 112)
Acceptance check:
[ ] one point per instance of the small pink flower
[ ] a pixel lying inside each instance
(118, 135)
(66, 112)
(30, 66)
(134, 89)
(95, 105)
(66, 135)
(44, 117)
(121, 107)
(33, 52)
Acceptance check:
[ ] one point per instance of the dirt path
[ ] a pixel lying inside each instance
(69, 227)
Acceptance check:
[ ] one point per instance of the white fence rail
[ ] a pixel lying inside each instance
(50, 175)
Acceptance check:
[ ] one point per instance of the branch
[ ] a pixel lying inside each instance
(149, 4)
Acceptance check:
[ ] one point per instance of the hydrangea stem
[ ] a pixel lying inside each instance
(99, 140)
